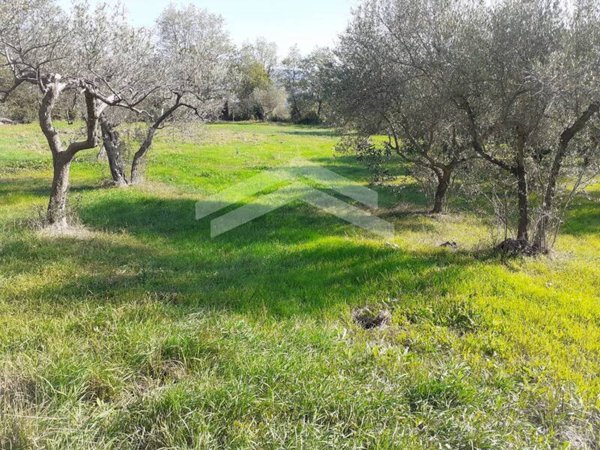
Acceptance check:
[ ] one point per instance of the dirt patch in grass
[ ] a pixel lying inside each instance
(370, 318)
(18, 389)
(77, 232)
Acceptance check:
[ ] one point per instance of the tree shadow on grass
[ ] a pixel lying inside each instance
(584, 216)
(307, 130)
(291, 262)
(287, 128)
(39, 187)
(390, 192)
(348, 164)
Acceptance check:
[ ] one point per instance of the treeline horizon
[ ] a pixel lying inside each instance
(263, 87)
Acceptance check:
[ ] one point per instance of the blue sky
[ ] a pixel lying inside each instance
(308, 23)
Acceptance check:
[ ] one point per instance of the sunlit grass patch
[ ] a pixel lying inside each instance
(147, 333)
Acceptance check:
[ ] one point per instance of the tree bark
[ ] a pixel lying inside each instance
(112, 146)
(540, 241)
(319, 109)
(520, 173)
(523, 196)
(57, 207)
(62, 158)
(444, 178)
(138, 158)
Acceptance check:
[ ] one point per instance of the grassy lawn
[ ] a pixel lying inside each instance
(143, 332)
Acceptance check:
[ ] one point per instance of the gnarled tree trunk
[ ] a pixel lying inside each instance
(139, 157)
(523, 197)
(112, 146)
(57, 207)
(137, 166)
(520, 172)
(544, 224)
(444, 178)
(61, 158)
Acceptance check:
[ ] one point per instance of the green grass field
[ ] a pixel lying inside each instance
(142, 332)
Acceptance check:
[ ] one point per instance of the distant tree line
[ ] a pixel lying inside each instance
(260, 86)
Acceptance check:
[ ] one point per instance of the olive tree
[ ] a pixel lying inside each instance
(272, 101)
(293, 80)
(515, 83)
(185, 72)
(384, 82)
(530, 94)
(306, 80)
(318, 67)
(84, 52)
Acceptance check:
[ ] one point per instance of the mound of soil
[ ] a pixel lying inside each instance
(369, 319)
(516, 247)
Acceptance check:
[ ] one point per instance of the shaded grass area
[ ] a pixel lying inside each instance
(584, 218)
(144, 332)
